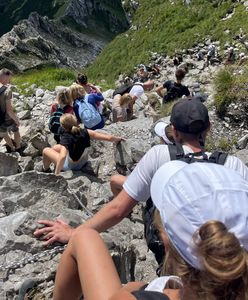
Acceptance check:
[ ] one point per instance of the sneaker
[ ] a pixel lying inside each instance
(46, 171)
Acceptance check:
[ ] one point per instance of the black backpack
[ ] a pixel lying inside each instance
(2, 113)
(150, 232)
(54, 119)
(173, 92)
(125, 88)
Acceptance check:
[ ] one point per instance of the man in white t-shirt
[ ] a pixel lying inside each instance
(137, 91)
(190, 125)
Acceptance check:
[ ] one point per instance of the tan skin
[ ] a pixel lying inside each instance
(57, 154)
(109, 215)
(87, 264)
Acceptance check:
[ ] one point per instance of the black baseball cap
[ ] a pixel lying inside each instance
(190, 116)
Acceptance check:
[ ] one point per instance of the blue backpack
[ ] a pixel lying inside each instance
(88, 114)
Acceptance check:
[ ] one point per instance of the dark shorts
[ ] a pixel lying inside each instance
(8, 126)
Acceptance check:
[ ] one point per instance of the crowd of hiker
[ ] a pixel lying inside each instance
(194, 202)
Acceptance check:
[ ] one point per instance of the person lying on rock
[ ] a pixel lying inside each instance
(190, 125)
(71, 153)
(205, 235)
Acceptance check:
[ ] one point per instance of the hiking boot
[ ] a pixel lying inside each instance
(8, 148)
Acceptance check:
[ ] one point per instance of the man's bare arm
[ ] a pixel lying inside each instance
(108, 216)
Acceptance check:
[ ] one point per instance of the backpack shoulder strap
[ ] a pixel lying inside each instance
(218, 157)
(3, 89)
(176, 151)
(138, 83)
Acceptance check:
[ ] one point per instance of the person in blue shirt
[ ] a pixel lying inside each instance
(77, 93)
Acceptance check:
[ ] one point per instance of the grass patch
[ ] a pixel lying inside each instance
(47, 78)
(166, 108)
(230, 86)
(221, 144)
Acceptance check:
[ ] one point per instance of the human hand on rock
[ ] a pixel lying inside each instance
(54, 231)
(117, 139)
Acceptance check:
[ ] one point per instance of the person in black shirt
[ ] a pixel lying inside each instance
(174, 89)
(71, 153)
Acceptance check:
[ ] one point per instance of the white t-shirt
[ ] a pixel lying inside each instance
(138, 182)
(137, 90)
(159, 284)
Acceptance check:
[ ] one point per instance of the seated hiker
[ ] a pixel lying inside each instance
(9, 122)
(177, 60)
(142, 74)
(120, 106)
(82, 80)
(205, 234)
(190, 125)
(85, 107)
(231, 57)
(71, 153)
(62, 105)
(174, 89)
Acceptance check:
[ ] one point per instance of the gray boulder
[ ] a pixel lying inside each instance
(8, 164)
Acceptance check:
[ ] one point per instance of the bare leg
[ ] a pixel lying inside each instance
(86, 254)
(116, 183)
(9, 141)
(17, 139)
(50, 155)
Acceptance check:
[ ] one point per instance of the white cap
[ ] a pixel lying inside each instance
(159, 129)
(189, 195)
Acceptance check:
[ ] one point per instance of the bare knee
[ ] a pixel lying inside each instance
(116, 183)
(46, 151)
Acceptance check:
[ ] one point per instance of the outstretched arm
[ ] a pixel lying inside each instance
(103, 136)
(159, 91)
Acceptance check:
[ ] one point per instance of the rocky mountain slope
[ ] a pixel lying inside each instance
(27, 195)
(73, 36)
(166, 27)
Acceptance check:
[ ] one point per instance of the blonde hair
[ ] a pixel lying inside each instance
(224, 275)
(124, 99)
(64, 97)
(76, 91)
(69, 123)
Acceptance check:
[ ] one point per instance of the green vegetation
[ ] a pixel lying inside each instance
(166, 108)
(163, 27)
(222, 144)
(47, 78)
(230, 86)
